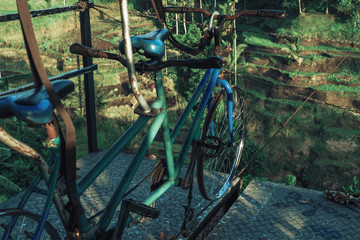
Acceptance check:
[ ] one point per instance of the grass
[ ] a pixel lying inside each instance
(15, 167)
(339, 88)
(339, 78)
(301, 148)
(265, 40)
(268, 80)
(291, 73)
(321, 26)
(260, 39)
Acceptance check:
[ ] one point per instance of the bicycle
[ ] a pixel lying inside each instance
(221, 137)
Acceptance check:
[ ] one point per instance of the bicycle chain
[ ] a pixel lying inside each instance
(157, 175)
(78, 65)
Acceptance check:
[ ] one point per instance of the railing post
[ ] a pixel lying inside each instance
(88, 82)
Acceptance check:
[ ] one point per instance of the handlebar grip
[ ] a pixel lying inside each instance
(205, 63)
(77, 48)
(272, 13)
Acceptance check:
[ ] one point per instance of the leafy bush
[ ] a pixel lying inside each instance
(354, 187)
(16, 168)
(248, 178)
(8, 184)
(188, 79)
(250, 153)
(290, 180)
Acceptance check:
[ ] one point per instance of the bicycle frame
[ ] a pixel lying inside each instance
(208, 81)
(160, 121)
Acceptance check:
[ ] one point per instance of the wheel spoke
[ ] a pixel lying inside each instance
(25, 225)
(216, 172)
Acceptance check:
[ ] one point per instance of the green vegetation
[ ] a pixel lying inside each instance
(16, 172)
(318, 149)
(354, 187)
(265, 40)
(290, 180)
(339, 88)
(316, 144)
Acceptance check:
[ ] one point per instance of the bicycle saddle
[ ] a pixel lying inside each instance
(151, 43)
(33, 105)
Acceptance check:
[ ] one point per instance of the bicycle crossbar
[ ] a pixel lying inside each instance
(66, 75)
(42, 12)
(213, 217)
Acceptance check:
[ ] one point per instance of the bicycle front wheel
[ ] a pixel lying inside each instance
(24, 225)
(219, 155)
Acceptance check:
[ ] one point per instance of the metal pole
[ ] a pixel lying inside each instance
(42, 12)
(88, 82)
(129, 56)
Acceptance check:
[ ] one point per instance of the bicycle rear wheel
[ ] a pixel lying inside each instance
(218, 159)
(25, 225)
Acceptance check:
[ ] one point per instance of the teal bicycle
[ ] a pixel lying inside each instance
(216, 135)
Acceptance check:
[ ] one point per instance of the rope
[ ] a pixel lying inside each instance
(296, 111)
(150, 15)
(300, 95)
(277, 87)
(96, 7)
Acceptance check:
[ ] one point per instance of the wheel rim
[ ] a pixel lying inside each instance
(214, 174)
(25, 225)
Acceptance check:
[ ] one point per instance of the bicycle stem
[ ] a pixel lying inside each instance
(129, 56)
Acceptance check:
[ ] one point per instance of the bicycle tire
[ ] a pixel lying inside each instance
(25, 225)
(217, 161)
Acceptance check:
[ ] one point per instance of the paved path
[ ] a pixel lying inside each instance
(268, 210)
(263, 211)
(95, 198)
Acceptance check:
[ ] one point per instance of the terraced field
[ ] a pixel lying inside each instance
(320, 146)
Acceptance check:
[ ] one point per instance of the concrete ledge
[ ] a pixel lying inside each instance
(264, 210)
(268, 210)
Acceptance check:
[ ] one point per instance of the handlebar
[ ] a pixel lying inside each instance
(84, 51)
(212, 62)
(152, 65)
(205, 40)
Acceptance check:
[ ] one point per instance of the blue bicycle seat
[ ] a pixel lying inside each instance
(151, 43)
(33, 105)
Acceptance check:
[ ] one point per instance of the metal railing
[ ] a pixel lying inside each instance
(87, 69)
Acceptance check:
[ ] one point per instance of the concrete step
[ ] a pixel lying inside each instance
(267, 210)
(264, 210)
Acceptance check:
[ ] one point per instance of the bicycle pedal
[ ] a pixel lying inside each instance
(141, 209)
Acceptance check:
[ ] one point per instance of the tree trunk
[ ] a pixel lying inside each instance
(300, 12)
(184, 18)
(202, 17)
(177, 22)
